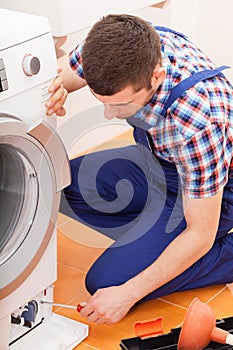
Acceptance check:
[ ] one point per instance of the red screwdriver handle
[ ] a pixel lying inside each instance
(79, 307)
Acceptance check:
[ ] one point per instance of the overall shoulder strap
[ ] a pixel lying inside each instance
(140, 129)
(187, 83)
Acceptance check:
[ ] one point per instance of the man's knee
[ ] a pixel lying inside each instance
(92, 281)
(101, 275)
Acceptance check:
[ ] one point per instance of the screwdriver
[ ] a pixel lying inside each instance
(77, 308)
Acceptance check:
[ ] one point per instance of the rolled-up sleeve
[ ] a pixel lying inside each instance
(204, 160)
(75, 60)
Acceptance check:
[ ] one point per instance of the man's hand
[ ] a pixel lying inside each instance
(58, 97)
(108, 305)
(66, 81)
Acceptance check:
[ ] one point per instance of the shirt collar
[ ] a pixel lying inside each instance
(150, 113)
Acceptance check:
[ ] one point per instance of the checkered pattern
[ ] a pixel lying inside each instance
(197, 132)
(75, 60)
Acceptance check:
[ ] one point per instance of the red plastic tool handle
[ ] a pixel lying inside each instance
(79, 307)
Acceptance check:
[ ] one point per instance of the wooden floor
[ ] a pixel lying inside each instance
(78, 248)
(75, 255)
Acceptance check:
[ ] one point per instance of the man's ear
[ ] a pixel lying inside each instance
(158, 77)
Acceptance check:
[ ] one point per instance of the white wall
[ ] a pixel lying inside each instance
(207, 22)
(67, 16)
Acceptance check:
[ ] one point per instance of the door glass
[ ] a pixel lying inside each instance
(18, 199)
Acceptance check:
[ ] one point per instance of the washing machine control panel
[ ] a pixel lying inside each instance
(3, 79)
(26, 72)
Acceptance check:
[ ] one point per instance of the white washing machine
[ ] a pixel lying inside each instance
(33, 170)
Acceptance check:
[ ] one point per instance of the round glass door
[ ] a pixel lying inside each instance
(18, 199)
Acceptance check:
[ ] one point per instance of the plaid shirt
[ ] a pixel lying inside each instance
(197, 132)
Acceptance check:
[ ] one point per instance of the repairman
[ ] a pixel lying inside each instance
(168, 199)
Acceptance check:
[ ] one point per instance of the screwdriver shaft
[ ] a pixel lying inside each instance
(78, 307)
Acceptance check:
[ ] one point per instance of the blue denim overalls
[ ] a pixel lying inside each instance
(135, 198)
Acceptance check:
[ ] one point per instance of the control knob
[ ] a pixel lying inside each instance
(31, 65)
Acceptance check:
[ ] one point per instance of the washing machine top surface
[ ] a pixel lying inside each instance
(18, 27)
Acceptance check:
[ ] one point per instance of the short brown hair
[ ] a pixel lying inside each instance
(120, 50)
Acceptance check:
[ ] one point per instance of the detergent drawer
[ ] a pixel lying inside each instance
(169, 341)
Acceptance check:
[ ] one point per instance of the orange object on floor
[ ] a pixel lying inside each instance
(149, 328)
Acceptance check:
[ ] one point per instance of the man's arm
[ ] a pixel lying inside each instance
(66, 81)
(109, 305)
(202, 217)
(71, 81)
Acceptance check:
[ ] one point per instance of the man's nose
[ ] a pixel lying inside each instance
(110, 112)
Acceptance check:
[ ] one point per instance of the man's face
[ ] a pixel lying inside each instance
(125, 103)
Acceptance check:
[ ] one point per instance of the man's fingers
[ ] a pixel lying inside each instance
(56, 101)
(61, 112)
(58, 96)
(58, 104)
(92, 317)
(56, 84)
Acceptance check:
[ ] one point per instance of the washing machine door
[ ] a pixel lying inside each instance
(33, 169)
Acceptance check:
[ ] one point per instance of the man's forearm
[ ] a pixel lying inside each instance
(202, 218)
(71, 81)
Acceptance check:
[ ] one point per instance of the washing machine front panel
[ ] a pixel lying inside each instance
(25, 237)
(34, 167)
